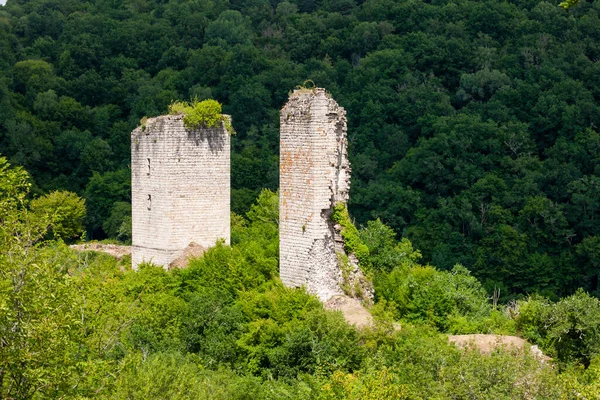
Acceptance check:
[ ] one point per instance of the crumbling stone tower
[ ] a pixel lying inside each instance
(180, 188)
(314, 176)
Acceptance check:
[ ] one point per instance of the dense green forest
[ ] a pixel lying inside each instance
(473, 125)
(85, 326)
(475, 147)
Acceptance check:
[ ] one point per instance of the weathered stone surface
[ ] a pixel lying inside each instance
(314, 176)
(180, 188)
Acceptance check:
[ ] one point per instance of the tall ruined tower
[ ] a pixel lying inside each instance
(314, 176)
(180, 188)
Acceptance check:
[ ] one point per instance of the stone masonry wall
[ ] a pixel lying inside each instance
(180, 188)
(314, 176)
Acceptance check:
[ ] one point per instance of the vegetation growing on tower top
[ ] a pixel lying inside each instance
(201, 114)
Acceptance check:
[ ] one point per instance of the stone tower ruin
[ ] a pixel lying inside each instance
(180, 188)
(314, 176)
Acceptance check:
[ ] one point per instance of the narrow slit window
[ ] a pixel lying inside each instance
(148, 173)
(149, 202)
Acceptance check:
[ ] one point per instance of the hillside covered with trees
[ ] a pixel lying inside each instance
(473, 125)
(475, 147)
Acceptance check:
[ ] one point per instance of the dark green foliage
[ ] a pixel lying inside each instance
(472, 125)
(289, 333)
(118, 223)
(101, 193)
(212, 326)
(569, 329)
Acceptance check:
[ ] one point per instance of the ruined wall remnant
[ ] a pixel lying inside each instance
(314, 176)
(180, 188)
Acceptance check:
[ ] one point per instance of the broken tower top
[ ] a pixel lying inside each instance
(314, 177)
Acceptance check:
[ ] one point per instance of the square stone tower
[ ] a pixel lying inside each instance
(180, 189)
(314, 176)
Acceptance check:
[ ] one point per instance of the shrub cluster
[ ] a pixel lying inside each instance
(568, 329)
(84, 325)
(201, 114)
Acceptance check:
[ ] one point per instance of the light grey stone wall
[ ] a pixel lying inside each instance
(314, 176)
(180, 188)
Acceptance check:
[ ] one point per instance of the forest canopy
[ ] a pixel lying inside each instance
(473, 125)
(475, 148)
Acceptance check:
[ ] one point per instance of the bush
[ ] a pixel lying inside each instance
(575, 331)
(212, 326)
(65, 212)
(201, 114)
(439, 298)
(372, 384)
(175, 376)
(289, 333)
(383, 252)
(532, 319)
(422, 364)
(568, 329)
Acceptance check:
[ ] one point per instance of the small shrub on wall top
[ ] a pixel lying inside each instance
(201, 114)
